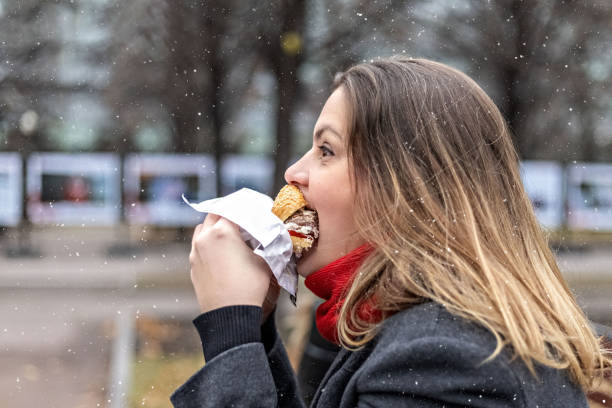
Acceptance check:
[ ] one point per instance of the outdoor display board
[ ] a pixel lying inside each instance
(154, 184)
(589, 194)
(73, 189)
(250, 171)
(10, 189)
(84, 188)
(543, 181)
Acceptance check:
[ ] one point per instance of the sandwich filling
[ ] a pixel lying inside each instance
(303, 224)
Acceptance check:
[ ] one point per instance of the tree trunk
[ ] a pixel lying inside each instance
(511, 109)
(287, 91)
(285, 64)
(217, 120)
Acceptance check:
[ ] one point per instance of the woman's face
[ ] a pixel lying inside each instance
(322, 175)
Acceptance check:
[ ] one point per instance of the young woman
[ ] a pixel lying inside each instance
(437, 278)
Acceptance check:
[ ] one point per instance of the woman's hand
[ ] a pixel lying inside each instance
(224, 270)
(271, 299)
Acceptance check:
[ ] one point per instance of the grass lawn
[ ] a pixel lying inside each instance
(154, 378)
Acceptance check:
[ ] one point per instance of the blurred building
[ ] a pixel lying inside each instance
(55, 65)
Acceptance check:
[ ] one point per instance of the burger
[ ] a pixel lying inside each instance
(302, 222)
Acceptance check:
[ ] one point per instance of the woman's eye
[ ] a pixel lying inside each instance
(325, 151)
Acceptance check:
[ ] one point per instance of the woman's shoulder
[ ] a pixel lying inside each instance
(431, 320)
(447, 353)
(430, 329)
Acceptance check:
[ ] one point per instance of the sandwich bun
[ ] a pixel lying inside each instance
(288, 201)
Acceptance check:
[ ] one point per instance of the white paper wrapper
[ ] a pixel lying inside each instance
(263, 231)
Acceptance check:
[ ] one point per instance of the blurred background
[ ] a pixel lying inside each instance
(110, 110)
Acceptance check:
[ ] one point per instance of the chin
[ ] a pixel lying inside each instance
(305, 265)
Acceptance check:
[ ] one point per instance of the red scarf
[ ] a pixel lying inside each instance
(330, 283)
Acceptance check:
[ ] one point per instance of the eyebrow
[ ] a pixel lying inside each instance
(323, 128)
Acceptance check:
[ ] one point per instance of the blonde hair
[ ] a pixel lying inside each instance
(440, 197)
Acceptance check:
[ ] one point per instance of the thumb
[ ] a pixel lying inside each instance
(227, 223)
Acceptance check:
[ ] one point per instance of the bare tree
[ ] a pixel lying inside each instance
(202, 67)
(281, 45)
(191, 63)
(535, 61)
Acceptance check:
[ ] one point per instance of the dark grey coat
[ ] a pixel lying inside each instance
(422, 357)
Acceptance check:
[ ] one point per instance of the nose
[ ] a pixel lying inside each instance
(297, 173)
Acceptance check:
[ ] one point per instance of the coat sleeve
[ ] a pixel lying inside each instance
(436, 372)
(285, 380)
(256, 374)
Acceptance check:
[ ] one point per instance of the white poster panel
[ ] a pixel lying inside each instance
(10, 189)
(250, 171)
(73, 188)
(543, 181)
(589, 193)
(154, 184)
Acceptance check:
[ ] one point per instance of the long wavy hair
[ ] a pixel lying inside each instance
(440, 197)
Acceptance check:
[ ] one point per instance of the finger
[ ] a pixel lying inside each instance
(197, 229)
(196, 232)
(224, 222)
(210, 220)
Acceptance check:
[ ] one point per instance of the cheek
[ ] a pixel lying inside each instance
(336, 212)
(334, 199)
